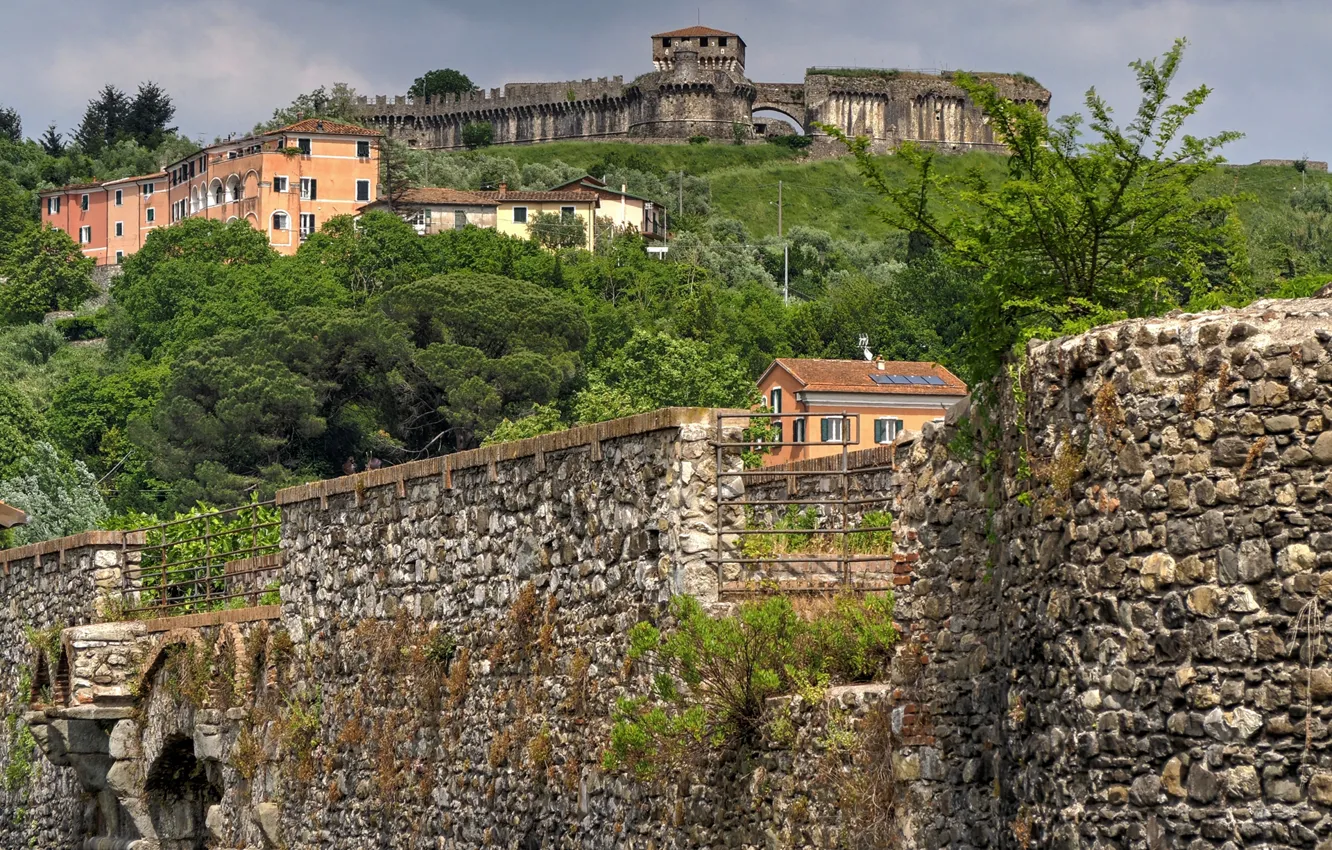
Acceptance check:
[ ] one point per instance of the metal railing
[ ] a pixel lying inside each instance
(206, 562)
(835, 509)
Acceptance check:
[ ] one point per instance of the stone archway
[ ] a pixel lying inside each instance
(178, 794)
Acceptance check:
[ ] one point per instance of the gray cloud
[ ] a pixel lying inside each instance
(228, 65)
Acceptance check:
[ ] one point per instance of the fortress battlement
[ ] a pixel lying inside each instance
(698, 88)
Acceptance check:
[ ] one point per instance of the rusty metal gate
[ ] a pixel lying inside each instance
(837, 497)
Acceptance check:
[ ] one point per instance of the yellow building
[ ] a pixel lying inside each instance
(516, 211)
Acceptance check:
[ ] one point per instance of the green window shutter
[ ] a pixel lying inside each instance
(901, 426)
(880, 430)
(825, 425)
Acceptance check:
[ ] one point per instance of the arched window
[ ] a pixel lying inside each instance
(232, 187)
(218, 194)
(280, 221)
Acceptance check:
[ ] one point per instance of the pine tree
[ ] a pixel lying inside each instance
(104, 122)
(11, 126)
(148, 115)
(52, 142)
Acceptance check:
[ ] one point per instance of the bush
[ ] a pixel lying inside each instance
(698, 140)
(78, 327)
(791, 140)
(712, 677)
(873, 542)
(478, 134)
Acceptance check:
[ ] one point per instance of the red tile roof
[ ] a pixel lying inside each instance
(157, 175)
(73, 187)
(573, 196)
(442, 195)
(853, 376)
(11, 516)
(691, 32)
(328, 128)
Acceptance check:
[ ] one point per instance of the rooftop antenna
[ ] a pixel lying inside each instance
(864, 345)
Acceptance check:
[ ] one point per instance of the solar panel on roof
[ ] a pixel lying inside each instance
(917, 379)
(881, 379)
(934, 381)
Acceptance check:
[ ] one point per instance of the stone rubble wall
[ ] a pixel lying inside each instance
(49, 585)
(531, 560)
(1118, 645)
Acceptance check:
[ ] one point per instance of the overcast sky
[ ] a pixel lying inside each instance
(228, 64)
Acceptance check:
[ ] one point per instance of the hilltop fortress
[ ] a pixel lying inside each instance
(698, 88)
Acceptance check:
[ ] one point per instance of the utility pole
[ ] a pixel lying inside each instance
(786, 254)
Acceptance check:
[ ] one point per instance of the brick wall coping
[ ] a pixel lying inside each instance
(583, 435)
(87, 540)
(213, 618)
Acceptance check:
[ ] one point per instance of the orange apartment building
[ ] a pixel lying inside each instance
(880, 399)
(286, 183)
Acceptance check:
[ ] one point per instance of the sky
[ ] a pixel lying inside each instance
(228, 65)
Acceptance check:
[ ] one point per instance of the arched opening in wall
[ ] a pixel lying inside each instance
(179, 794)
(769, 121)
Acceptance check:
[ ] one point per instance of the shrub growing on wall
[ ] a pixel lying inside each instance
(712, 677)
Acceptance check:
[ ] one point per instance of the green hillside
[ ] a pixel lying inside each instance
(829, 194)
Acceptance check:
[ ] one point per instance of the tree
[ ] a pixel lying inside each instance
(20, 426)
(394, 179)
(444, 81)
(558, 230)
(147, 118)
(655, 370)
(104, 121)
(59, 495)
(544, 419)
(45, 270)
(336, 104)
(1083, 231)
(52, 142)
(478, 134)
(11, 126)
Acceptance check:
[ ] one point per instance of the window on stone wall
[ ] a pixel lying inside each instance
(721, 42)
(702, 42)
(665, 42)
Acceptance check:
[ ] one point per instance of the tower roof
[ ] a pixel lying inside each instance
(691, 32)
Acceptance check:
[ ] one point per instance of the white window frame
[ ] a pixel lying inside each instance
(285, 183)
(360, 142)
(85, 234)
(891, 431)
(53, 205)
(120, 228)
(151, 215)
(120, 257)
(366, 183)
(516, 219)
(570, 212)
(798, 434)
(306, 146)
(835, 426)
(308, 231)
(120, 197)
(775, 399)
(286, 220)
(309, 189)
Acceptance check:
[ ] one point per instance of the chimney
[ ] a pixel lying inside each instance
(504, 187)
(879, 364)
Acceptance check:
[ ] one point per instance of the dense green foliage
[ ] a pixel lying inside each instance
(712, 677)
(228, 371)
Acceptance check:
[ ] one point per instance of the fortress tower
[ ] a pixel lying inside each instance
(717, 50)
